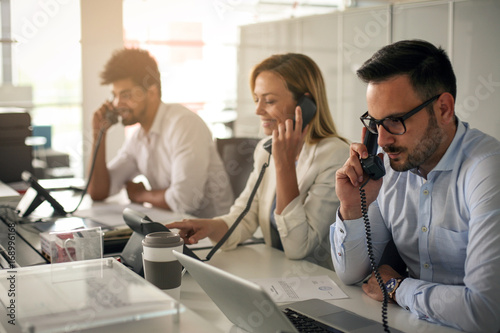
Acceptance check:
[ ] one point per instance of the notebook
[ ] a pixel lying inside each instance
(248, 306)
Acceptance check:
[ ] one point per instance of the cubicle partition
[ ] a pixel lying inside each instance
(341, 41)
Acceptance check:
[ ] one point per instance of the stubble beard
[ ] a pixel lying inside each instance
(427, 146)
(133, 119)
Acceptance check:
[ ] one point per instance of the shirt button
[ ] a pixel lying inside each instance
(426, 192)
(426, 265)
(424, 229)
(339, 254)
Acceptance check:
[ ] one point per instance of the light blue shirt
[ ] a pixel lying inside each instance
(446, 229)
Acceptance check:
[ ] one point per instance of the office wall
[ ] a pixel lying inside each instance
(340, 42)
(476, 56)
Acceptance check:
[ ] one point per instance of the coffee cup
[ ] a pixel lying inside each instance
(161, 268)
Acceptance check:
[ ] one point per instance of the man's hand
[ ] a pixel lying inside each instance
(192, 230)
(348, 180)
(136, 192)
(101, 120)
(372, 288)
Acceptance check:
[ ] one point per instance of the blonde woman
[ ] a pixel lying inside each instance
(296, 199)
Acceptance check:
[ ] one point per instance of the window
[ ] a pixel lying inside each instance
(46, 68)
(195, 43)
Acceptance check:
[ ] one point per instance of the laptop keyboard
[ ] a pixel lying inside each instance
(306, 324)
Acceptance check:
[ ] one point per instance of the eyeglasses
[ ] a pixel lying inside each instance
(393, 125)
(135, 93)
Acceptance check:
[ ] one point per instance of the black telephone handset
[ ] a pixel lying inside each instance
(111, 115)
(308, 108)
(372, 165)
(141, 226)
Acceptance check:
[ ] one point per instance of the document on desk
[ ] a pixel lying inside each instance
(292, 289)
(108, 214)
(111, 214)
(8, 194)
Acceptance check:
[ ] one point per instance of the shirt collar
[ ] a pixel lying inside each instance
(156, 127)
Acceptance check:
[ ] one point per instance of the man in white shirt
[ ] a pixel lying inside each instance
(173, 148)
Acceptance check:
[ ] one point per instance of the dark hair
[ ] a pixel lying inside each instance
(428, 67)
(135, 64)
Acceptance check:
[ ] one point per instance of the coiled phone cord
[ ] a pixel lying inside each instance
(369, 247)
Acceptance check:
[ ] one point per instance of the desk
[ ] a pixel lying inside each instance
(189, 321)
(98, 295)
(109, 212)
(260, 261)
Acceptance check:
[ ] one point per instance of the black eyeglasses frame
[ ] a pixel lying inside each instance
(366, 117)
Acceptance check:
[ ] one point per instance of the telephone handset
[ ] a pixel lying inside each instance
(372, 165)
(308, 108)
(111, 115)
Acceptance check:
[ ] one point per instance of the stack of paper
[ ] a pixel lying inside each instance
(8, 194)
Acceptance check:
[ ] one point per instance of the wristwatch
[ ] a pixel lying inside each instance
(392, 285)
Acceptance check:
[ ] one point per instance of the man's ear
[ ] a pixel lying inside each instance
(153, 90)
(446, 108)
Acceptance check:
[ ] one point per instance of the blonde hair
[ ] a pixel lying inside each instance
(301, 75)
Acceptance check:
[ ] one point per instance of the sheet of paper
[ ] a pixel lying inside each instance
(111, 214)
(292, 289)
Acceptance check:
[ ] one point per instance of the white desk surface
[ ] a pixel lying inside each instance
(261, 261)
(189, 322)
(89, 296)
(251, 261)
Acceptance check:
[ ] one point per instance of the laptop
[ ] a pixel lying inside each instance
(248, 306)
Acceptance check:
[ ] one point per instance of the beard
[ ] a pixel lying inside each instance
(131, 117)
(426, 147)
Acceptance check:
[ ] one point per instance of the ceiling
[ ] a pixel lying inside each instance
(276, 9)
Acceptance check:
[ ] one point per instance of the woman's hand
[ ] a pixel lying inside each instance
(288, 140)
(192, 230)
(287, 144)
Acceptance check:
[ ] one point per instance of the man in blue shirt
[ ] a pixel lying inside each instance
(439, 201)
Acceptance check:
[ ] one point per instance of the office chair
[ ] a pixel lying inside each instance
(237, 156)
